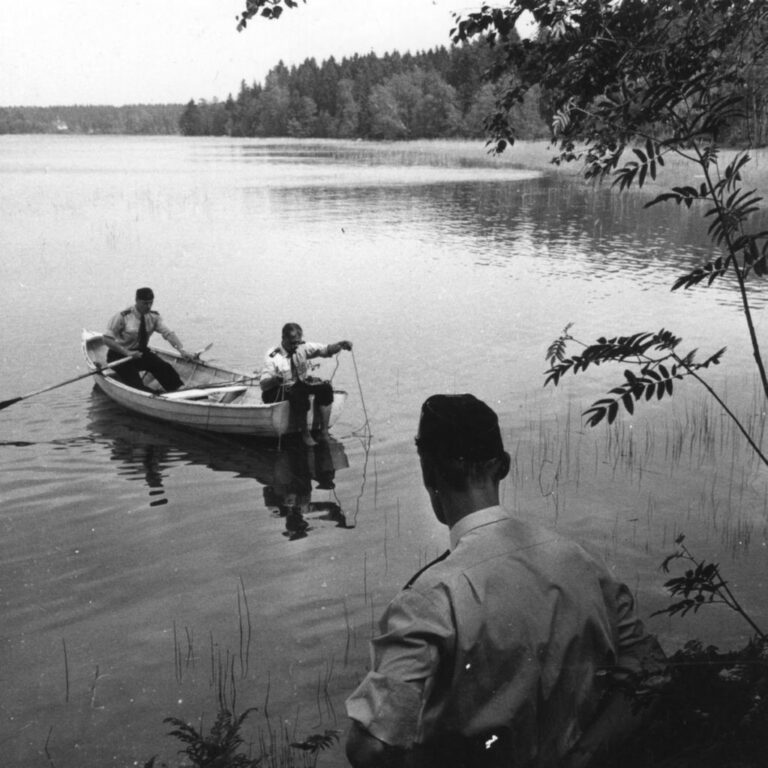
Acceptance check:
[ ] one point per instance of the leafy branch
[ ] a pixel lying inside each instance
(658, 365)
(653, 354)
(700, 585)
(269, 9)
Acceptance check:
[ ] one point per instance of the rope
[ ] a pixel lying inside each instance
(365, 429)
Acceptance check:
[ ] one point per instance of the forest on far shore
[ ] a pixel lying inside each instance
(433, 94)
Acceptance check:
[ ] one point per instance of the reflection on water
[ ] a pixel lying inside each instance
(147, 450)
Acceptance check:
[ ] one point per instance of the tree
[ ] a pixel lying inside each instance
(415, 104)
(273, 111)
(436, 112)
(347, 109)
(629, 83)
(302, 118)
(385, 118)
(191, 120)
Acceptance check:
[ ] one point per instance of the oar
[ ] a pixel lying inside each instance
(6, 403)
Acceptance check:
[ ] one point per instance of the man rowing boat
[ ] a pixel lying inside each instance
(128, 336)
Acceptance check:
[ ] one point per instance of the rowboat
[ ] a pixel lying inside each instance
(213, 399)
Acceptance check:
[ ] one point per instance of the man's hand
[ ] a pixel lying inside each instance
(366, 751)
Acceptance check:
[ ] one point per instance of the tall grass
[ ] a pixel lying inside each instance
(686, 465)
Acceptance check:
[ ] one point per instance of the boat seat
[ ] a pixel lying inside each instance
(199, 394)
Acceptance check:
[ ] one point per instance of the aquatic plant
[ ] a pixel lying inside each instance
(222, 746)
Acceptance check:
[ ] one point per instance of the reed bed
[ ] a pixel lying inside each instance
(529, 155)
(440, 153)
(687, 465)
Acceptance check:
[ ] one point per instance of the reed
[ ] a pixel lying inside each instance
(348, 628)
(177, 666)
(66, 670)
(245, 633)
(45, 749)
(95, 680)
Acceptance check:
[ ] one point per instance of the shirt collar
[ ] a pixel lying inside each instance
(475, 520)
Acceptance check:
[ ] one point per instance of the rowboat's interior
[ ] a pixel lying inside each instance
(202, 382)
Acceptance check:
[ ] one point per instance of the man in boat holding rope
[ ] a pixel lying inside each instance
(285, 376)
(128, 336)
(511, 648)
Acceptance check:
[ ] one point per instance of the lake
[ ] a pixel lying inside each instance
(149, 572)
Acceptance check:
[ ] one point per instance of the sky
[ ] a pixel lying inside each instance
(65, 52)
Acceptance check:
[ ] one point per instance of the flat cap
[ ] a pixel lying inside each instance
(144, 294)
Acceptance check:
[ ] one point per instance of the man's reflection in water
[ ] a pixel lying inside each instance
(143, 460)
(148, 451)
(290, 494)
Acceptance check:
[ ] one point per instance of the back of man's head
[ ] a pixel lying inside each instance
(460, 435)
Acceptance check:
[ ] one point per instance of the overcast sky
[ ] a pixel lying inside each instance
(62, 52)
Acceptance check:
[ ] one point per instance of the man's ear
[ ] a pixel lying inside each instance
(428, 473)
(502, 467)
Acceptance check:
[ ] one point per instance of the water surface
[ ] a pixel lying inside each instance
(146, 571)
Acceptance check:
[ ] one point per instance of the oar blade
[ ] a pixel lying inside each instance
(6, 403)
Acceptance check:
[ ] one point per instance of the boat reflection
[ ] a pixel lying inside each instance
(289, 473)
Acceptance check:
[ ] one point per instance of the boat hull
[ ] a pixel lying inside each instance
(229, 409)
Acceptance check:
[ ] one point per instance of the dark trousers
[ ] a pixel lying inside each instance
(130, 373)
(298, 395)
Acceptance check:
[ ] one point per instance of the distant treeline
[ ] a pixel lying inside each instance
(438, 93)
(134, 119)
(434, 94)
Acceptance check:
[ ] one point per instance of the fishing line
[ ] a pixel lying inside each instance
(365, 429)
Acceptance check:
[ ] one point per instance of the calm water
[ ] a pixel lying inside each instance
(148, 572)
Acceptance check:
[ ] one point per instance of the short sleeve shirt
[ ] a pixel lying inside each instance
(508, 631)
(278, 361)
(124, 327)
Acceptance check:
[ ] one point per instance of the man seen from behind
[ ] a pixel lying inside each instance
(493, 654)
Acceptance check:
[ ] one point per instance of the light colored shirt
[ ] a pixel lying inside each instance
(124, 328)
(278, 361)
(508, 631)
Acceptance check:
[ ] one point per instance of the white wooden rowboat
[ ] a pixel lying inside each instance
(213, 399)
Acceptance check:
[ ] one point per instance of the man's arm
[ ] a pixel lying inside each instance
(113, 338)
(270, 376)
(338, 346)
(385, 709)
(326, 350)
(269, 380)
(366, 751)
(170, 337)
(119, 348)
